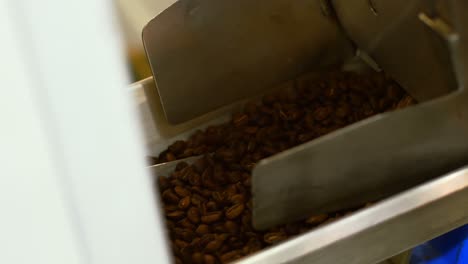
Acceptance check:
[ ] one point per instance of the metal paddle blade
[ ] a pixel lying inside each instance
(362, 163)
(210, 53)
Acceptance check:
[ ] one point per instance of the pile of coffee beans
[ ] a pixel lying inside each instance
(208, 203)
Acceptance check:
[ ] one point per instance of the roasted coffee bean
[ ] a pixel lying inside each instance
(183, 173)
(273, 238)
(193, 215)
(316, 219)
(185, 234)
(321, 113)
(182, 191)
(211, 206)
(230, 256)
(207, 175)
(223, 236)
(196, 190)
(237, 244)
(187, 153)
(211, 217)
(226, 155)
(225, 248)
(247, 182)
(218, 228)
(234, 176)
(237, 198)
(231, 226)
(181, 244)
(177, 182)
(186, 223)
(230, 190)
(200, 150)
(405, 102)
(202, 209)
(170, 157)
(240, 119)
(176, 215)
(171, 207)
(246, 220)
(197, 258)
(170, 196)
(200, 164)
(342, 111)
(217, 197)
(213, 246)
(196, 243)
(205, 239)
(218, 173)
(251, 145)
(209, 259)
(235, 211)
(251, 130)
(184, 203)
(197, 199)
(206, 193)
(203, 229)
(194, 179)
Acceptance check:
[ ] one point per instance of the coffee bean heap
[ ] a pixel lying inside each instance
(208, 204)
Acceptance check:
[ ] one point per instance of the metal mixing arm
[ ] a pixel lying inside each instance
(387, 153)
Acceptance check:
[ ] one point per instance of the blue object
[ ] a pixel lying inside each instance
(451, 248)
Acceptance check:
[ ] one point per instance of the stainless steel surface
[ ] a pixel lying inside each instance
(363, 162)
(383, 230)
(391, 32)
(207, 54)
(167, 168)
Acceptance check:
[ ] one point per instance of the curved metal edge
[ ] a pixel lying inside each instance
(383, 230)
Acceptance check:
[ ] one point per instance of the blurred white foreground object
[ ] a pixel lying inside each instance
(73, 188)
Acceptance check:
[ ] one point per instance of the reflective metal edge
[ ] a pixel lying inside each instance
(383, 230)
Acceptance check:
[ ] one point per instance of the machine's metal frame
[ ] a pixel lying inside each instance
(428, 140)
